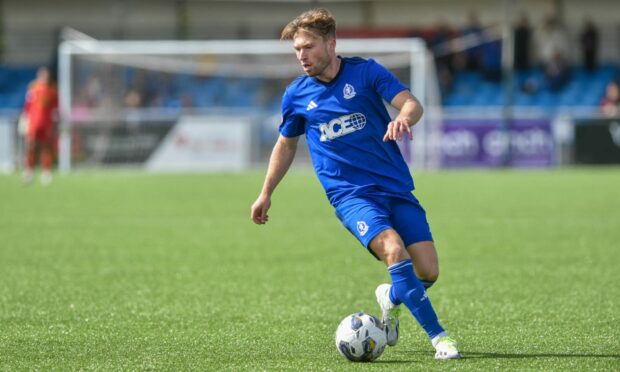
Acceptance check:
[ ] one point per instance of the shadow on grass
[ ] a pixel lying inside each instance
(485, 355)
(393, 361)
(475, 354)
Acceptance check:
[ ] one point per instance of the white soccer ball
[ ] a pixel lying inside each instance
(361, 337)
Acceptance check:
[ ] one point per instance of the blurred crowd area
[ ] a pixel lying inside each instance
(172, 92)
(544, 73)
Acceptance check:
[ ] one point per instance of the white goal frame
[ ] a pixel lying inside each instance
(415, 47)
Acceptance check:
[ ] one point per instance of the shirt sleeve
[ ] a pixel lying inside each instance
(382, 81)
(292, 123)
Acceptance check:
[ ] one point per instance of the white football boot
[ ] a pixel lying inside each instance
(46, 178)
(389, 313)
(27, 177)
(446, 347)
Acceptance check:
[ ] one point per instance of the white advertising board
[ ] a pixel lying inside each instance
(205, 143)
(7, 146)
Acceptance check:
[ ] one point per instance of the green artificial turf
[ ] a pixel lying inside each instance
(134, 271)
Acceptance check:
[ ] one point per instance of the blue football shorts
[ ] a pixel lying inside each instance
(368, 215)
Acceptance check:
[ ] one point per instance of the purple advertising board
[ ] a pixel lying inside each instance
(485, 143)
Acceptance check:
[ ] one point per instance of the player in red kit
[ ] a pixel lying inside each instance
(40, 110)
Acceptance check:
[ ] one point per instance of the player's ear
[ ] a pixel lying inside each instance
(331, 43)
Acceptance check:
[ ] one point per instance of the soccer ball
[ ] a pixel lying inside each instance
(361, 337)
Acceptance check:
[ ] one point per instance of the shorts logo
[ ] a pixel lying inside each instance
(343, 125)
(348, 92)
(362, 227)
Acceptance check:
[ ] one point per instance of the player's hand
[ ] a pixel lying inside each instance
(398, 128)
(259, 210)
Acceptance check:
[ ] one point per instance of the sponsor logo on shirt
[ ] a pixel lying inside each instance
(341, 126)
(348, 92)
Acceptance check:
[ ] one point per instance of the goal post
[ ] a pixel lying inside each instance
(120, 100)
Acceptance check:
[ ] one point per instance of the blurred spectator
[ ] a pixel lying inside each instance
(557, 72)
(133, 103)
(168, 90)
(473, 33)
(145, 84)
(610, 105)
(491, 62)
(88, 97)
(440, 45)
(40, 111)
(553, 48)
(133, 99)
(589, 44)
(523, 36)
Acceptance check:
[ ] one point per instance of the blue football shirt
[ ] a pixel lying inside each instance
(344, 122)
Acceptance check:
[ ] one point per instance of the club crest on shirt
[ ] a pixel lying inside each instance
(362, 227)
(348, 92)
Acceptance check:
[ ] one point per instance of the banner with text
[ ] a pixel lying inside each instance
(488, 143)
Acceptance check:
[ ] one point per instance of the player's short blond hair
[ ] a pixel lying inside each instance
(318, 21)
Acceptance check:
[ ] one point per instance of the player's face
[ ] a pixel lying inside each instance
(313, 52)
(43, 74)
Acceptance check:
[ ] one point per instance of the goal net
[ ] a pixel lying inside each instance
(202, 105)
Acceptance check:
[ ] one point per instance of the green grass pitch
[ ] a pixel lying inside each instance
(132, 271)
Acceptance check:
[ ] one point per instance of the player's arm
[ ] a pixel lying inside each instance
(281, 158)
(410, 112)
(27, 101)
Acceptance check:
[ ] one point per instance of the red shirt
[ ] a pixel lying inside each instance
(41, 105)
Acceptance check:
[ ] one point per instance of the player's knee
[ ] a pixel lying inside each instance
(389, 247)
(394, 254)
(430, 275)
(427, 283)
(428, 278)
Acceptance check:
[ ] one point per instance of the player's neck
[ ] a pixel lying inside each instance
(331, 71)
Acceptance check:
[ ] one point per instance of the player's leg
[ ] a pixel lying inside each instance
(31, 158)
(389, 247)
(366, 219)
(425, 262)
(406, 287)
(47, 159)
(409, 219)
(389, 304)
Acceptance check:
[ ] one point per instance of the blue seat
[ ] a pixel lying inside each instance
(15, 101)
(462, 99)
(583, 89)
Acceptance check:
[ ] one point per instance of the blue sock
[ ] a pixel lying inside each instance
(407, 289)
(426, 283)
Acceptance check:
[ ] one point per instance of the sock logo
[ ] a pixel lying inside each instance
(362, 227)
